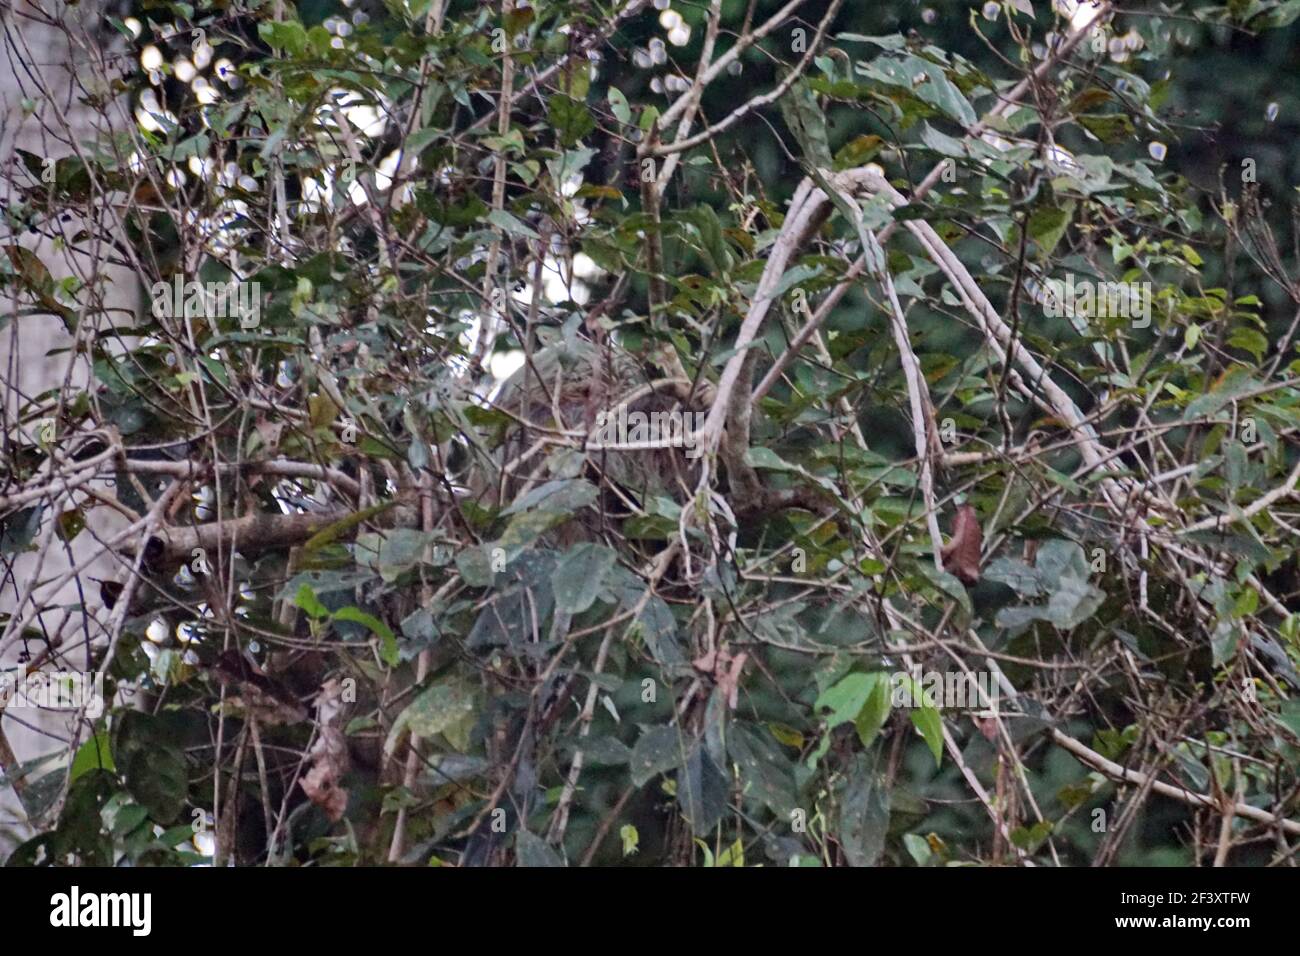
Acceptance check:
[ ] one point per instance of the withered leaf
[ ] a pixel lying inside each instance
(962, 554)
(329, 754)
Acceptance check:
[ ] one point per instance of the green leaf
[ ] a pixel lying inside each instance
(706, 223)
(630, 839)
(387, 640)
(949, 584)
(1281, 16)
(1014, 618)
(874, 712)
(94, 754)
(158, 779)
(927, 720)
(767, 773)
(1072, 602)
(1251, 340)
(70, 524)
(1059, 558)
(1030, 838)
(580, 576)
(475, 566)
(847, 698)
(701, 791)
(658, 628)
(618, 104)
(1236, 383)
(18, 530)
(1223, 642)
(532, 851)
(925, 716)
(864, 815)
(943, 144)
(918, 848)
(508, 223)
(393, 552)
(526, 528)
(924, 80)
(892, 41)
(858, 151)
(307, 601)
(282, 35)
(657, 750)
(733, 855)
(561, 496)
(39, 794)
(570, 118)
(1016, 575)
(418, 141)
(1047, 224)
(801, 113)
(1108, 127)
(435, 711)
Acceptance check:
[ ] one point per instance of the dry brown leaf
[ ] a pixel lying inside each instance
(962, 554)
(329, 755)
(729, 680)
(725, 669)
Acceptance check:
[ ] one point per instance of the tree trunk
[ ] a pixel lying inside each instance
(51, 54)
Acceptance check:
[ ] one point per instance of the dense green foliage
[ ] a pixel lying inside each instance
(410, 612)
